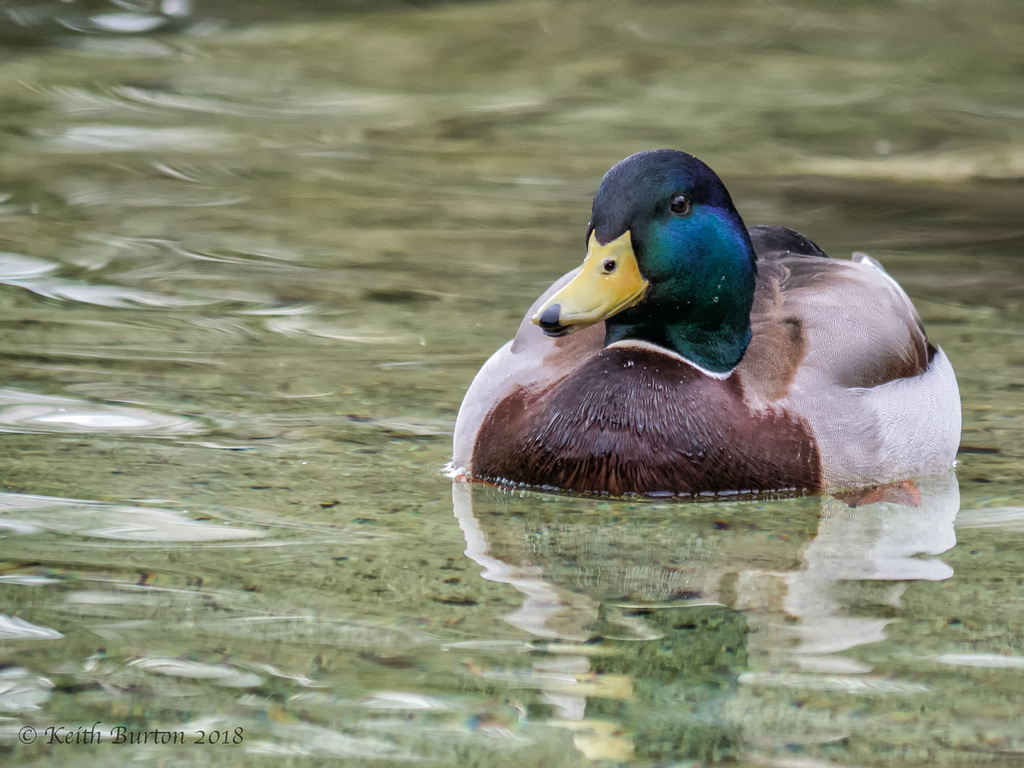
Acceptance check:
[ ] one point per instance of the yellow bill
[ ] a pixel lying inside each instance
(608, 282)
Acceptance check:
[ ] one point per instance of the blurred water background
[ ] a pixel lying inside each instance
(251, 255)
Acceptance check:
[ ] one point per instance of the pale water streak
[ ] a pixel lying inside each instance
(32, 413)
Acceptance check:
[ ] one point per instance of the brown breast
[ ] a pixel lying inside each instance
(631, 420)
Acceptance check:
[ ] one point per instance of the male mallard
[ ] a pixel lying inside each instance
(707, 357)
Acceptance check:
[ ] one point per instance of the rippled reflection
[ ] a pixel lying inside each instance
(736, 610)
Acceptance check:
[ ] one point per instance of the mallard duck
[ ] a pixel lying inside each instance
(691, 355)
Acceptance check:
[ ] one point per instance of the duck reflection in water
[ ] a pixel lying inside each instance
(682, 625)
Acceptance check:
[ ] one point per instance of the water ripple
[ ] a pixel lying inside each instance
(307, 326)
(20, 690)
(13, 628)
(413, 426)
(134, 138)
(16, 266)
(1007, 518)
(987, 660)
(103, 520)
(89, 194)
(218, 674)
(149, 101)
(1001, 162)
(860, 684)
(107, 46)
(313, 741)
(321, 631)
(119, 23)
(101, 295)
(24, 579)
(29, 413)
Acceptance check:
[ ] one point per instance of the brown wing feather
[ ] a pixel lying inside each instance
(847, 319)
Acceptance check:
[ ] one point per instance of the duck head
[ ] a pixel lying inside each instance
(669, 262)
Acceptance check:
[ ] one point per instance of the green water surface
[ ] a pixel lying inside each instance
(250, 260)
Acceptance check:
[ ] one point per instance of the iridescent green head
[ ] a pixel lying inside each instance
(669, 262)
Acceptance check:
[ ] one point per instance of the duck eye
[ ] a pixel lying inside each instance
(680, 205)
(608, 266)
